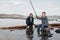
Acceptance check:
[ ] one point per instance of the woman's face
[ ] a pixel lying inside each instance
(31, 15)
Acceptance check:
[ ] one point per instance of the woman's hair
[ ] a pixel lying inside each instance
(31, 14)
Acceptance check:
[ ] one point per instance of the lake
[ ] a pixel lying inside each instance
(18, 22)
(21, 35)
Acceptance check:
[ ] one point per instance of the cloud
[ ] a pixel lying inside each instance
(52, 8)
(15, 7)
(24, 7)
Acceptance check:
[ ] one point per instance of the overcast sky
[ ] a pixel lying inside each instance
(51, 7)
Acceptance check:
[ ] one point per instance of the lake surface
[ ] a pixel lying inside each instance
(21, 35)
(13, 22)
(18, 22)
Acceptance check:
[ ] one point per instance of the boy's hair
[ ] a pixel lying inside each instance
(44, 12)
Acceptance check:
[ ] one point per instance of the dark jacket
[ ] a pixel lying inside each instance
(28, 22)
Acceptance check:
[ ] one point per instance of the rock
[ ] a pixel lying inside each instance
(57, 31)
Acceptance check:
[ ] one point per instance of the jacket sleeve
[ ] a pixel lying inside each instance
(33, 21)
(27, 22)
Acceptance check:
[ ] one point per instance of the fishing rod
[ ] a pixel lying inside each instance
(33, 8)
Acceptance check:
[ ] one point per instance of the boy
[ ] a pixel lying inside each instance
(44, 21)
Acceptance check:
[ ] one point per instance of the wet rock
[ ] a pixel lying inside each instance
(57, 31)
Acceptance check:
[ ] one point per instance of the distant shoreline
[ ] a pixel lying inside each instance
(18, 16)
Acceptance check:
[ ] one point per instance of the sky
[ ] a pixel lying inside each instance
(23, 7)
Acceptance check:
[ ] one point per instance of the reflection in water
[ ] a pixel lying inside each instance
(44, 38)
(44, 34)
(29, 37)
(29, 33)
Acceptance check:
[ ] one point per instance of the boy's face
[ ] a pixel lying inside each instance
(43, 14)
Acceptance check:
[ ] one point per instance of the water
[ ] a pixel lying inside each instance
(12, 22)
(21, 35)
(18, 22)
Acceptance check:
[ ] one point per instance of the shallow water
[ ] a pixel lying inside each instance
(13, 22)
(18, 22)
(21, 35)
